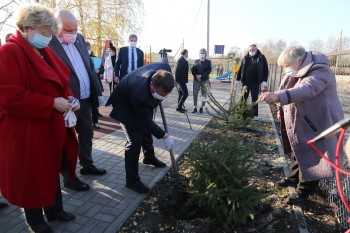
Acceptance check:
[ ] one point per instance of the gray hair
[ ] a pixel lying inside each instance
(203, 50)
(132, 36)
(291, 55)
(37, 16)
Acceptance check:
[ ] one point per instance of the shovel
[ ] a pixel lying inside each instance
(176, 174)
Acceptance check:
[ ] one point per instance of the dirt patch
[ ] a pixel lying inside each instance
(160, 211)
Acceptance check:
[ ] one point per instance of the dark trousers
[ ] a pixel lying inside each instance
(85, 134)
(35, 216)
(94, 114)
(183, 94)
(136, 140)
(254, 91)
(295, 175)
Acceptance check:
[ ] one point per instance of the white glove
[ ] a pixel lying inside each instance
(263, 85)
(101, 100)
(168, 142)
(70, 119)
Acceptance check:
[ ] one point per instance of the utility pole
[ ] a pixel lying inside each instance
(339, 47)
(208, 28)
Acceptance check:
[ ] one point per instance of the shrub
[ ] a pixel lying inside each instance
(235, 114)
(218, 179)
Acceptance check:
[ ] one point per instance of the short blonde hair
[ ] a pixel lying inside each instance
(203, 50)
(37, 16)
(291, 55)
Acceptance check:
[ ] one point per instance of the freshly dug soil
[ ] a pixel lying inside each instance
(161, 212)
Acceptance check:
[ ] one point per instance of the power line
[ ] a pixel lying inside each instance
(195, 21)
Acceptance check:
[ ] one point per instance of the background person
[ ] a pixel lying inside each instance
(201, 71)
(108, 75)
(129, 59)
(35, 144)
(181, 77)
(308, 90)
(95, 109)
(71, 48)
(134, 100)
(253, 73)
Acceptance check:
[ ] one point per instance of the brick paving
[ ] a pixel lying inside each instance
(109, 203)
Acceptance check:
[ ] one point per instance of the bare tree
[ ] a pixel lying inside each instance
(6, 13)
(317, 46)
(272, 49)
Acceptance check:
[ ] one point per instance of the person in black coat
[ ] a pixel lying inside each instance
(133, 101)
(253, 73)
(181, 77)
(129, 59)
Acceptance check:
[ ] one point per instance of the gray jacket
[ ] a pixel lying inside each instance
(310, 105)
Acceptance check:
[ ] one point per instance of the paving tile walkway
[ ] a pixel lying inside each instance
(109, 203)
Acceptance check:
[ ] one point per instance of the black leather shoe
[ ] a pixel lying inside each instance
(201, 110)
(155, 162)
(63, 216)
(77, 185)
(138, 187)
(194, 110)
(181, 110)
(41, 228)
(92, 171)
(285, 182)
(3, 205)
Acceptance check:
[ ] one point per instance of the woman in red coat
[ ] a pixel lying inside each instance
(34, 141)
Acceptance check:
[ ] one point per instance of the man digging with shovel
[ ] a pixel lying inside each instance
(133, 101)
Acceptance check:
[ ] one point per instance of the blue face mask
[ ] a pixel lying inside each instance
(39, 41)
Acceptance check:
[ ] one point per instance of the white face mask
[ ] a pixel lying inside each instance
(157, 96)
(290, 71)
(133, 44)
(202, 56)
(251, 53)
(89, 51)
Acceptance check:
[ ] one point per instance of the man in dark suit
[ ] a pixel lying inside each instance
(181, 77)
(134, 100)
(129, 59)
(71, 48)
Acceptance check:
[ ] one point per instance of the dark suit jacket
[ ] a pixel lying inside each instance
(181, 72)
(74, 83)
(133, 102)
(202, 68)
(121, 66)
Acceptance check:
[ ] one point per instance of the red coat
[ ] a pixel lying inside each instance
(33, 137)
